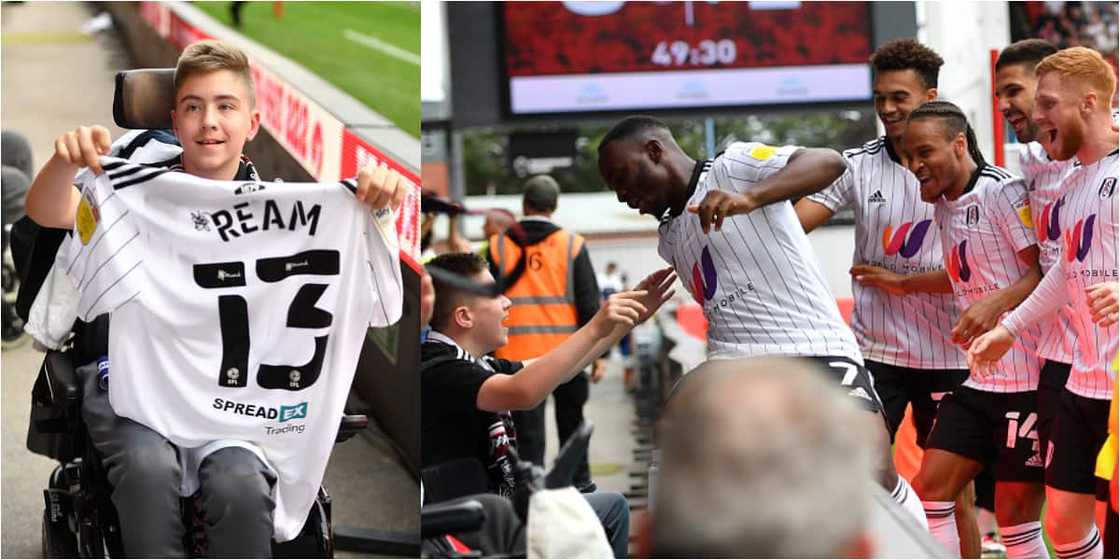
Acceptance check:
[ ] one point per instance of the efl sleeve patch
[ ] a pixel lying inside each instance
(762, 152)
(1025, 216)
(86, 218)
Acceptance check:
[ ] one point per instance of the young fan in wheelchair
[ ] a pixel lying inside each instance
(214, 116)
(468, 437)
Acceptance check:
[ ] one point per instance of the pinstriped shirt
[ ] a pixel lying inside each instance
(894, 230)
(1090, 225)
(757, 279)
(983, 231)
(1043, 177)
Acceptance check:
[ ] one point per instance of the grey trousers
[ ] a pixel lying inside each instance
(613, 512)
(144, 469)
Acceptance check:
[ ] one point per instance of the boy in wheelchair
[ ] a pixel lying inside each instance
(466, 395)
(214, 116)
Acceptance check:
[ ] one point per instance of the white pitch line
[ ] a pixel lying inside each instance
(377, 44)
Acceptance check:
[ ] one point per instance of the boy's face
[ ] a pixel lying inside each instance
(486, 315)
(213, 120)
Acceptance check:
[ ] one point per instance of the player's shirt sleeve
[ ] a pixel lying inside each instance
(383, 257)
(104, 254)
(840, 193)
(745, 165)
(1050, 295)
(1011, 212)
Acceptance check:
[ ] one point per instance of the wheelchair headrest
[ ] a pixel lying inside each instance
(144, 98)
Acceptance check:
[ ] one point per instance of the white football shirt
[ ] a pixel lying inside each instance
(757, 279)
(1090, 225)
(982, 232)
(895, 231)
(1043, 177)
(239, 309)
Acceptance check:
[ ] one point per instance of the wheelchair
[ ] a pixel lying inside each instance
(441, 518)
(79, 519)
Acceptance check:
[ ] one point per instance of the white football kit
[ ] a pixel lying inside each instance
(982, 232)
(1043, 177)
(1090, 224)
(239, 310)
(895, 231)
(757, 279)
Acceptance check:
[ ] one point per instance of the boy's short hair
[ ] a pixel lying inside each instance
(1028, 51)
(204, 57)
(908, 54)
(1085, 65)
(448, 297)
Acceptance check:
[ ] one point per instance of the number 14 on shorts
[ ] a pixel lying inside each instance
(1017, 430)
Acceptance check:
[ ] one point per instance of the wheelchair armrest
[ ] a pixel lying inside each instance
(64, 385)
(144, 98)
(351, 424)
(437, 519)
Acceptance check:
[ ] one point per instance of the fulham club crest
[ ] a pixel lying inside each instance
(972, 215)
(1108, 187)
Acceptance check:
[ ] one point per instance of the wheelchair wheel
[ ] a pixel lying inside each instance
(58, 539)
(57, 543)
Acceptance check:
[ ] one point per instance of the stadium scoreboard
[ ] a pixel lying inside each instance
(564, 57)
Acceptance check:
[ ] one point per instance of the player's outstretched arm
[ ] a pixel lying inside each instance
(983, 315)
(1104, 302)
(52, 200)
(1049, 295)
(533, 383)
(935, 282)
(808, 170)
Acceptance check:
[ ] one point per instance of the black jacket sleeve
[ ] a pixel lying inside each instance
(586, 287)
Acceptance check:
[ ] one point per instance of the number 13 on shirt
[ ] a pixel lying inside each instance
(233, 314)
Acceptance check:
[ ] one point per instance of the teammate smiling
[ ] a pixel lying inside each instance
(982, 213)
(1072, 114)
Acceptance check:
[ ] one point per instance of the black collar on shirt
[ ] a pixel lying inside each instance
(890, 151)
(972, 180)
(697, 170)
(246, 171)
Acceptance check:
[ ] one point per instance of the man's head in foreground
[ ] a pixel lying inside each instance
(473, 320)
(215, 108)
(761, 458)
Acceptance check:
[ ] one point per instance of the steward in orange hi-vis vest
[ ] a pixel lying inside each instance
(543, 292)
